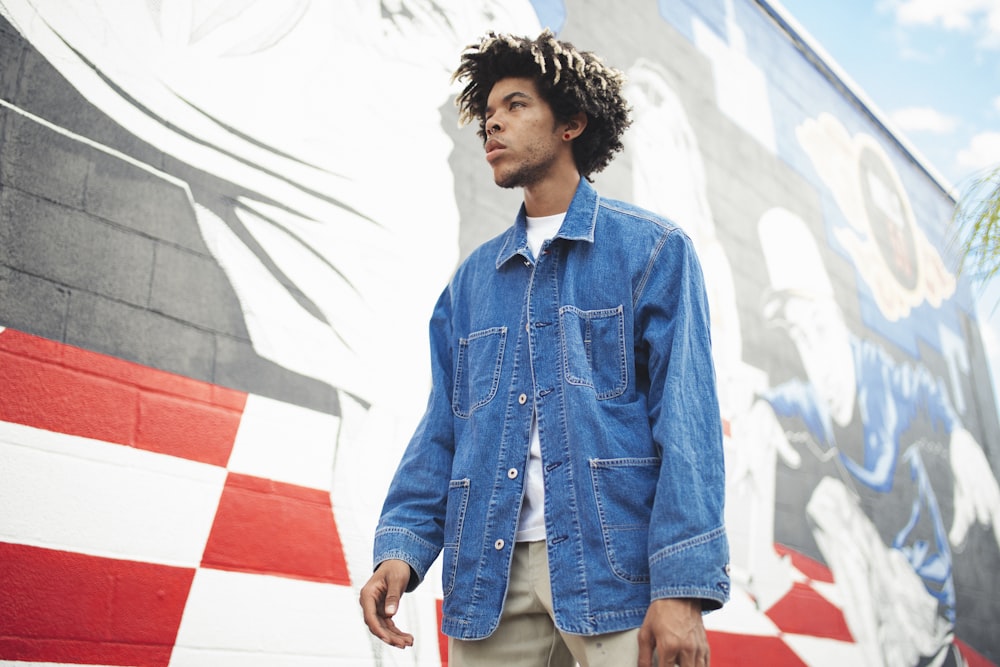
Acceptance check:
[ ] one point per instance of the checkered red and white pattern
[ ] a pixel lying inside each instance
(150, 519)
(804, 627)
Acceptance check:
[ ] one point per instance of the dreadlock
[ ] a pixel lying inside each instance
(569, 80)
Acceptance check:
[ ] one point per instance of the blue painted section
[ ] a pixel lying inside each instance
(551, 13)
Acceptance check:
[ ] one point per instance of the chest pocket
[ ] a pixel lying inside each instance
(593, 344)
(477, 370)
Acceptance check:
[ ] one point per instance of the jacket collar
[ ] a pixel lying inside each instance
(578, 225)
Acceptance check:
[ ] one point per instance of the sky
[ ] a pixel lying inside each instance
(932, 67)
(932, 70)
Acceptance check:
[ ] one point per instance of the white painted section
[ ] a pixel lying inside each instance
(248, 620)
(740, 616)
(81, 495)
(286, 443)
(740, 85)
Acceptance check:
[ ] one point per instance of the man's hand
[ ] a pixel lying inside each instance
(380, 600)
(674, 628)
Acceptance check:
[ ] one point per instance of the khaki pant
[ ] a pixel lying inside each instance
(527, 635)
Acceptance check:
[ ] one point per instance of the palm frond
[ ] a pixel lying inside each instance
(976, 226)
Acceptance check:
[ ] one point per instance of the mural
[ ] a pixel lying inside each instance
(223, 225)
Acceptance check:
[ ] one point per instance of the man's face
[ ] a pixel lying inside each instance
(522, 140)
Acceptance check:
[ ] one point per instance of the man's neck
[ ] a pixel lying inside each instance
(551, 195)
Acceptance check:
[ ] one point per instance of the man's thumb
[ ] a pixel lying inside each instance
(391, 604)
(395, 585)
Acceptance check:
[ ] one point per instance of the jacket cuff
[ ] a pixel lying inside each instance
(401, 544)
(695, 568)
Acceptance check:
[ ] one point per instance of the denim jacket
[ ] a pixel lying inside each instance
(605, 339)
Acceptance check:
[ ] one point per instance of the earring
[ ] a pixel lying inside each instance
(566, 136)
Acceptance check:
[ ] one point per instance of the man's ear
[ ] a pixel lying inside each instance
(575, 126)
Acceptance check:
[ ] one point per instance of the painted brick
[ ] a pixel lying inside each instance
(43, 91)
(38, 160)
(268, 527)
(82, 393)
(98, 610)
(11, 53)
(730, 649)
(193, 288)
(139, 335)
(32, 304)
(181, 427)
(149, 202)
(73, 248)
(239, 366)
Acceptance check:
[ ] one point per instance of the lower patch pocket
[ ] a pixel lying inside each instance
(458, 501)
(624, 490)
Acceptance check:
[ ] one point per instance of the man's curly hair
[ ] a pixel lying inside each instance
(568, 79)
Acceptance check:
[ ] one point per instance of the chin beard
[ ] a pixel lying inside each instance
(524, 175)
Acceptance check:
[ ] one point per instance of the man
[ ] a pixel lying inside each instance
(569, 463)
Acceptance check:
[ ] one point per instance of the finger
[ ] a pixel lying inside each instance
(696, 655)
(378, 623)
(386, 630)
(389, 633)
(370, 600)
(645, 650)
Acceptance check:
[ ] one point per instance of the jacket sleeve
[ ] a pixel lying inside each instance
(688, 548)
(411, 527)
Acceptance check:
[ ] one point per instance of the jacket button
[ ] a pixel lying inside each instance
(498, 545)
(527, 327)
(522, 399)
(512, 473)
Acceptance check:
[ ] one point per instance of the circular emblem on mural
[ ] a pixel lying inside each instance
(889, 217)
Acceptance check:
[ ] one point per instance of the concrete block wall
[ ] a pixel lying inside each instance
(222, 229)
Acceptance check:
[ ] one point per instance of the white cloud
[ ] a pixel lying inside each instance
(961, 15)
(982, 152)
(996, 102)
(923, 119)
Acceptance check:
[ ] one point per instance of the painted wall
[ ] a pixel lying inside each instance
(222, 229)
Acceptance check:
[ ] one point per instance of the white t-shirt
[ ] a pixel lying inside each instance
(531, 524)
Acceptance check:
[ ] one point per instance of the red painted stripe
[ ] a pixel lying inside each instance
(803, 611)
(811, 568)
(126, 372)
(60, 607)
(732, 650)
(973, 657)
(442, 638)
(61, 388)
(268, 527)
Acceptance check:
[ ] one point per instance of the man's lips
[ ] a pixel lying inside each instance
(493, 148)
